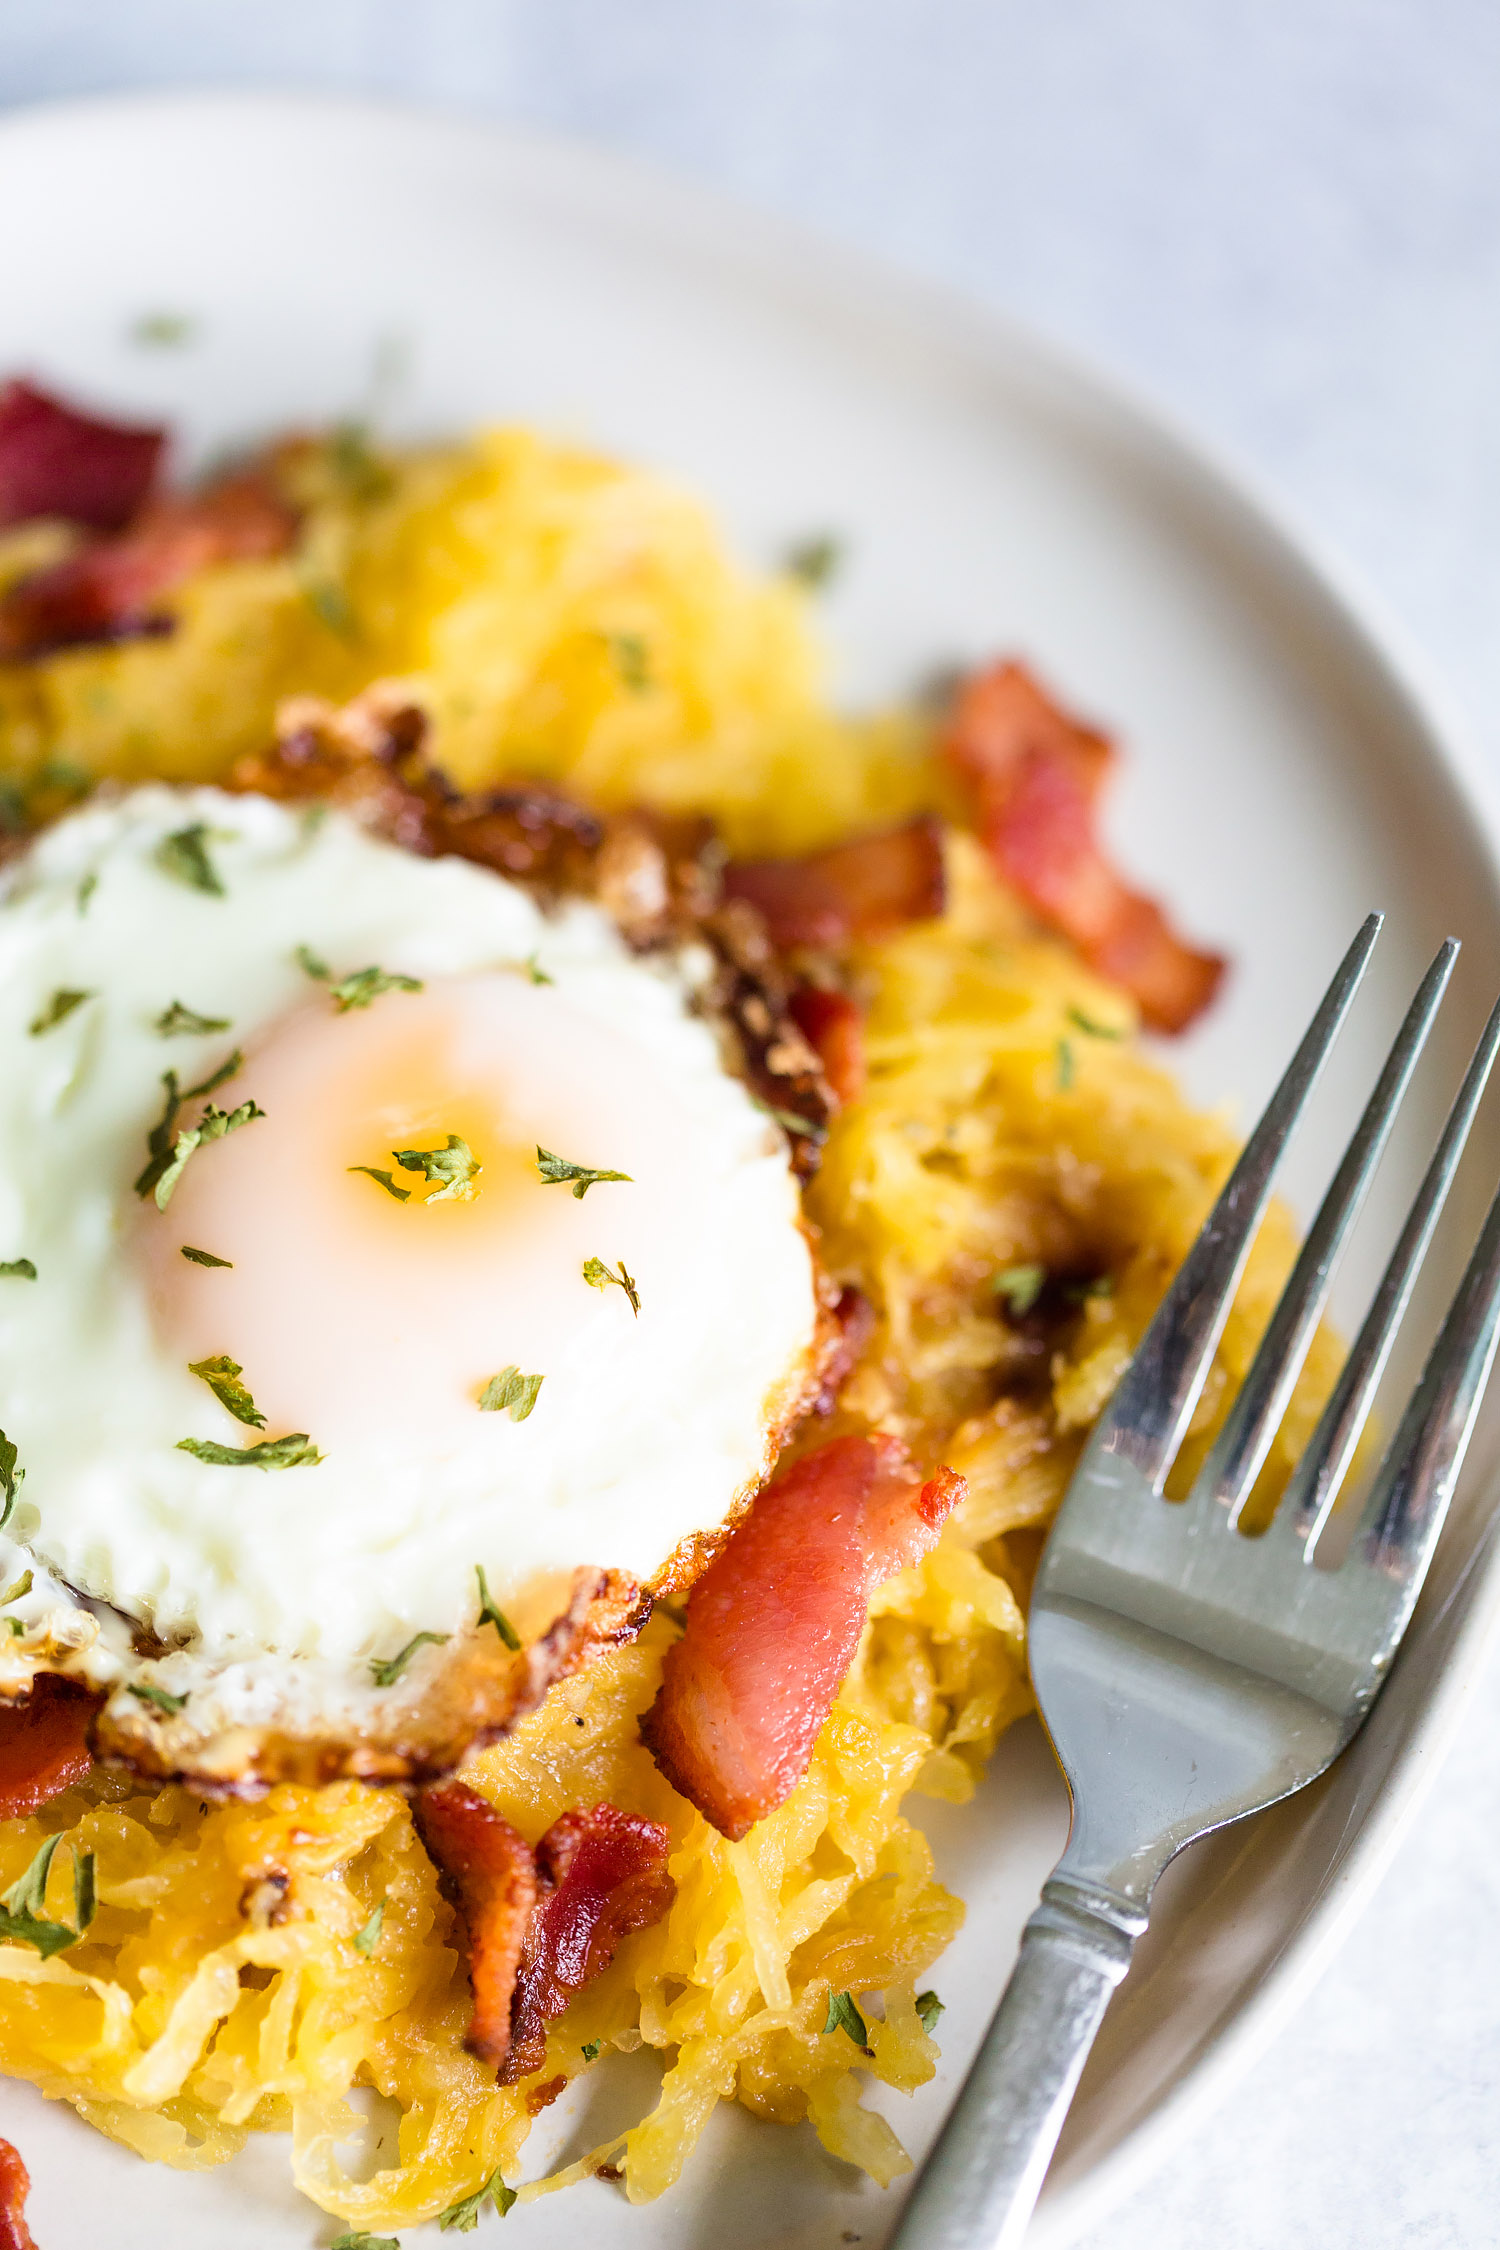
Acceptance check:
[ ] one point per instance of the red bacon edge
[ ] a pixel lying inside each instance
(855, 893)
(15, 2186)
(833, 1026)
(55, 461)
(603, 1875)
(44, 1746)
(492, 1872)
(1035, 775)
(774, 1622)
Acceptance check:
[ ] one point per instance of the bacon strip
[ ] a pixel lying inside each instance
(44, 1745)
(110, 591)
(15, 2186)
(834, 1028)
(1036, 774)
(603, 1875)
(856, 892)
(493, 1876)
(55, 461)
(773, 1623)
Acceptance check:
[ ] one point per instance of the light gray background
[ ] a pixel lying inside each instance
(1281, 218)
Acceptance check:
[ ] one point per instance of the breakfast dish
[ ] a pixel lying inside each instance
(567, 1211)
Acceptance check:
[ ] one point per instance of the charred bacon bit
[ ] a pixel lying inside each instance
(853, 1324)
(55, 461)
(773, 1623)
(855, 893)
(15, 2186)
(603, 1875)
(44, 1745)
(834, 1028)
(1036, 775)
(493, 1878)
(111, 591)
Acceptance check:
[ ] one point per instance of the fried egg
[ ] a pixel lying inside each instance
(482, 1273)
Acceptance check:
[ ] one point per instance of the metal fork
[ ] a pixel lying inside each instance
(1188, 1675)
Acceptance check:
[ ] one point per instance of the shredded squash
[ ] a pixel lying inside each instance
(565, 617)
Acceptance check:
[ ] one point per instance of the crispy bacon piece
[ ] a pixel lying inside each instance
(603, 1875)
(111, 591)
(1036, 775)
(493, 1878)
(834, 1028)
(15, 2186)
(855, 892)
(55, 461)
(44, 1745)
(773, 1623)
(853, 1325)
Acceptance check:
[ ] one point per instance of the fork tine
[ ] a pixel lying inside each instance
(1315, 1483)
(1154, 1403)
(1241, 1447)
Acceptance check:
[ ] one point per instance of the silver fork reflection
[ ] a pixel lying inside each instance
(1187, 1675)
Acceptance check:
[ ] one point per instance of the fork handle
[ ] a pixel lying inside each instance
(978, 2187)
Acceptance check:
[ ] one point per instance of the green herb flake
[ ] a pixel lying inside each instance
(204, 1257)
(1079, 1292)
(590, 2049)
(22, 1908)
(223, 1379)
(15, 1628)
(632, 660)
(358, 2241)
(453, 1168)
(365, 985)
(313, 964)
(929, 2008)
(356, 464)
(146, 1691)
(366, 1940)
(386, 1674)
(1066, 1067)
(510, 1392)
(331, 606)
(463, 2217)
(294, 1452)
(57, 1010)
(163, 331)
(844, 2016)
(489, 1614)
(21, 1587)
(184, 856)
(1093, 1028)
(181, 1022)
(17, 1269)
(11, 1477)
(535, 971)
(556, 1169)
(211, 1126)
(159, 1140)
(86, 890)
(599, 1276)
(1020, 1286)
(386, 1179)
(815, 561)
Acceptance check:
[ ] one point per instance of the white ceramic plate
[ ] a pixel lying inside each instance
(1284, 777)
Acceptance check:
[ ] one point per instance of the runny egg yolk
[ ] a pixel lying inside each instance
(354, 1311)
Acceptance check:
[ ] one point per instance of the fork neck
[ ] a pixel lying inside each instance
(1089, 1919)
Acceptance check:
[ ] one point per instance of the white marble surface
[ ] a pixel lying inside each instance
(1284, 221)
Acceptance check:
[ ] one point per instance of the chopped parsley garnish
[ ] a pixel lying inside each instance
(535, 971)
(22, 1907)
(463, 2217)
(365, 985)
(57, 1010)
(294, 1452)
(510, 1392)
(22, 1586)
(1079, 1292)
(791, 1121)
(86, 890)
(160, 1138)
(929, 2008)
(356, 464)
(358, 2241)
(632, 660)
(814, 561)
(211, 1126)
(1066, 1068)
(11, 1478)
(331, 606)
(453, 1167)
(386, 1179)
(182, 1022)
(844, 2016)
(580, 1177)
(223, 1379)
(163, 331)
(145, 1691)
(17, 1269)
(366, 1940)
(599, 1276)
(488, 1613)
(204, 1257)
(1093, 1027)
(590, 2049)
(184, 856)
(313, 964)
(386, 1674)
(1020, 1286)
